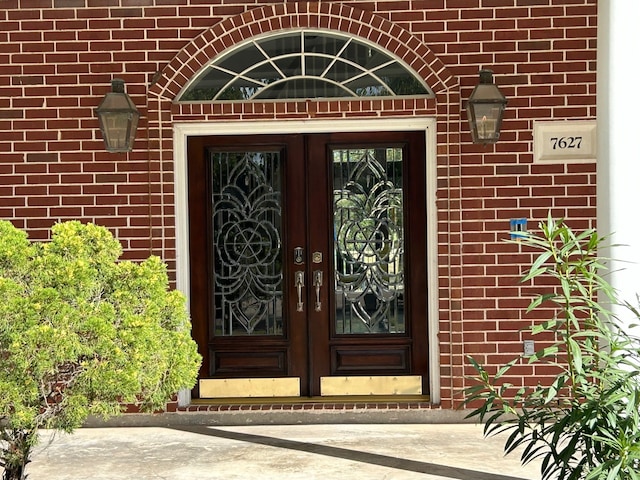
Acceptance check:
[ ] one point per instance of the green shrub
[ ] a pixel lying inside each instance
(82, 333)
(585, 424)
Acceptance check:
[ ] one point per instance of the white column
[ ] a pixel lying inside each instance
(618, 110)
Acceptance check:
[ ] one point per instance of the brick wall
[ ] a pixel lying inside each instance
(57, 58)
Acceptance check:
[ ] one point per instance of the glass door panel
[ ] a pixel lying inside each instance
(247, 247)
(368, 240)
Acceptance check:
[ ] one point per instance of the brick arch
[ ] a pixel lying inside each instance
(296, 15)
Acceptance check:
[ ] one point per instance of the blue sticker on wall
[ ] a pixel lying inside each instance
(518, 228)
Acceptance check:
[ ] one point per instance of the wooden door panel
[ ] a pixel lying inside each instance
(250, 364)
(375, 359)
(347, 351)
(280, 350)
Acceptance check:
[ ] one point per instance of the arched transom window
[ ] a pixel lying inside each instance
(303, 64)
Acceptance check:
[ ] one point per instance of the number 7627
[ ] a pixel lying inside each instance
(561, 143)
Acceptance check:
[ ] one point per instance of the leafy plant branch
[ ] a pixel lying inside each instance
(83, 333)
(584, 423)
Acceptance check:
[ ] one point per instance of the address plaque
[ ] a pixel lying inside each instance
(564, 141)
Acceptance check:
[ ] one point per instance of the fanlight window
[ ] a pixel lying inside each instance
(303, 65)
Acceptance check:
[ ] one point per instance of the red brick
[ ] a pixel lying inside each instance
(68, 3)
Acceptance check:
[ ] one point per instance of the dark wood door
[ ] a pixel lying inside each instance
(308, 256)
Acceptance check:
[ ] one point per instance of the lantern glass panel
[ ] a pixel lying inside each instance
(118, 130)
(486, 120)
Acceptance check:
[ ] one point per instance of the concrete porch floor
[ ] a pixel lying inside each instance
(283, 452)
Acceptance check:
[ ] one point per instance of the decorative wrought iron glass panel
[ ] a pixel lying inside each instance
(247, 212)
(368, 240)
(303, 64)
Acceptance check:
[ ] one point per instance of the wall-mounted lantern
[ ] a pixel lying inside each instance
(118, 118)
(485, 109)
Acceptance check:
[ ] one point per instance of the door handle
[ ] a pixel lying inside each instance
(317, 282)
(298, 282)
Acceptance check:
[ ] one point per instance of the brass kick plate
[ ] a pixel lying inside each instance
(249, 387)
(379, 385)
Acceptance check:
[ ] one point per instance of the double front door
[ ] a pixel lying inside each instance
(308, 264)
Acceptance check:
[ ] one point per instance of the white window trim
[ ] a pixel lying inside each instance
(181, 131)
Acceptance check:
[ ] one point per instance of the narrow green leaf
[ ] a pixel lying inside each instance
(505, 369)
(544, 353)
(613, 473)
(536, 268)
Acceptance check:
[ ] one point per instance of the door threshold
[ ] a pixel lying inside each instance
(323, 400)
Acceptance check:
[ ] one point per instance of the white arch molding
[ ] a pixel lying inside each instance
(181, 132)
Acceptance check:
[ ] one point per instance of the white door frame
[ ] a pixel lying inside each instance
(181, 131)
